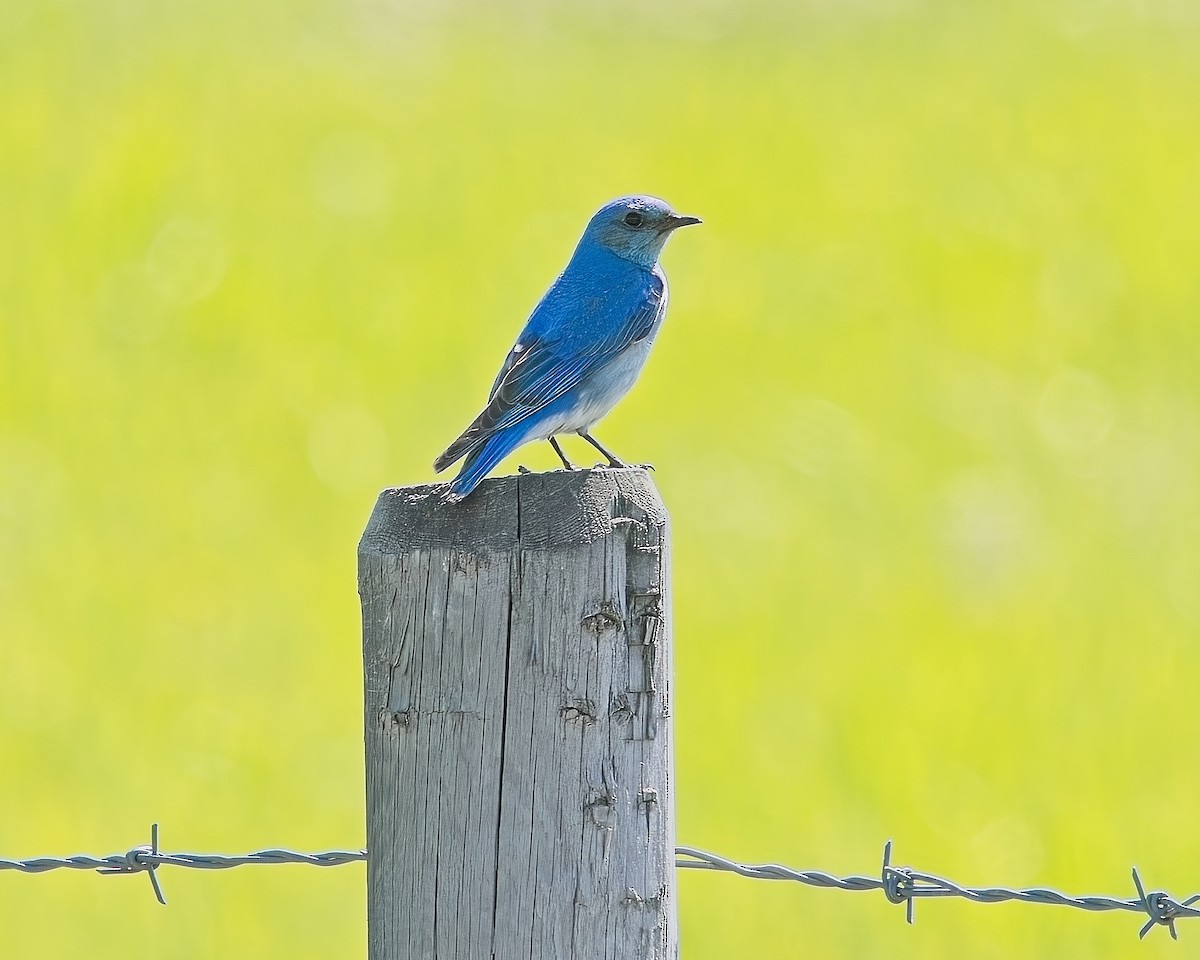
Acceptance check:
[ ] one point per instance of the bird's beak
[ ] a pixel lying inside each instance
(676, 220)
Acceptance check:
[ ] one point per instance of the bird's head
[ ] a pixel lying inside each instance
(635, 228)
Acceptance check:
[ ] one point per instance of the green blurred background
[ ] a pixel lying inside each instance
(925, 412)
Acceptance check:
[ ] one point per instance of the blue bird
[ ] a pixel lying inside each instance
(583, 346)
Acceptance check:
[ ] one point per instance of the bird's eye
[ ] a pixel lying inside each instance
(633, 219)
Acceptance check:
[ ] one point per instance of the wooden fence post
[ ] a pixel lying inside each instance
(517, 665)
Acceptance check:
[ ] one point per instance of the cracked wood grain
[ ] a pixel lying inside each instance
(517, 712)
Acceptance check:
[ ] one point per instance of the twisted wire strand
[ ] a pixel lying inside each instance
(120, 862)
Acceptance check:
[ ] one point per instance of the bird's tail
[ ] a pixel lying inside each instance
(469, 438)
(482, 459)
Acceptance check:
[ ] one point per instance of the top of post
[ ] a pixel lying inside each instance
(558, 508)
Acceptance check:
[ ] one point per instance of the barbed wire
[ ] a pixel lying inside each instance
(148, 859)
(906, 885)
(899, 884)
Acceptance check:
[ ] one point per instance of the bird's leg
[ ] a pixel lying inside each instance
(612, 461)
(561, 456)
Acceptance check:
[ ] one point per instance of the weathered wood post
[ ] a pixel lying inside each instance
(517, 662)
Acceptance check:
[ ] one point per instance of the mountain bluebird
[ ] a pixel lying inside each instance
(583, 346)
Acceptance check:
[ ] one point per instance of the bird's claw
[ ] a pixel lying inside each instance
(621, 465)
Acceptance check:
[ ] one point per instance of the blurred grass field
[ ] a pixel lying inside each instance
(925, 411)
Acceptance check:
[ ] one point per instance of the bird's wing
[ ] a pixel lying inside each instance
(540, 369)
(546, 368)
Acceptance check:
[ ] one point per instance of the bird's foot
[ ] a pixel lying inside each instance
(622, 465)
(567, 464)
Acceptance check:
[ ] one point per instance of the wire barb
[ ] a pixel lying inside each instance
(898, 884)
(1161, 909)
(143, 858)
